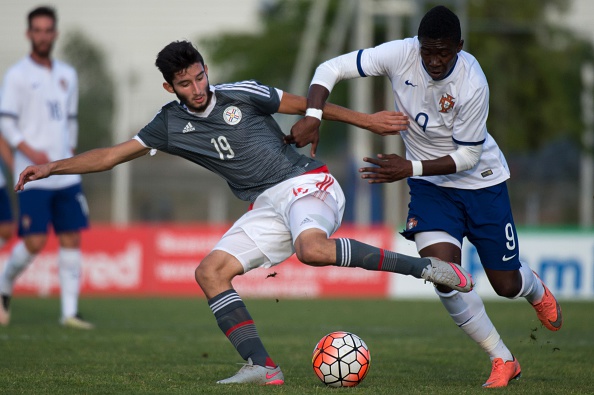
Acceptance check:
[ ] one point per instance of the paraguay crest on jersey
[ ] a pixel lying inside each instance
(232, 115)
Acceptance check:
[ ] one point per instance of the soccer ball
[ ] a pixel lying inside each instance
(341, 359)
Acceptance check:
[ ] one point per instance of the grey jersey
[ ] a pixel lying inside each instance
(236, 138)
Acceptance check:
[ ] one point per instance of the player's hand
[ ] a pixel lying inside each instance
(32, 173)
(386, 123)
(388, 168)
(305, 131)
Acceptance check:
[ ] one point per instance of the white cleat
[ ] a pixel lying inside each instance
(256, 374)
(76, 323)
(448, 274)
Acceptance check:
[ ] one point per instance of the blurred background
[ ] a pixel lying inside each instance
(154, 219)
(537, 55)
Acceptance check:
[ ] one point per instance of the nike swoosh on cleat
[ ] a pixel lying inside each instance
(507, 258)
(559, 321)
(462, 278)
(269, 376)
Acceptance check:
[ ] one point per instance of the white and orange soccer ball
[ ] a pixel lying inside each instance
(341, 359)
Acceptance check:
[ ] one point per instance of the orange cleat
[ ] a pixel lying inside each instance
(548, 310)
(503, 372)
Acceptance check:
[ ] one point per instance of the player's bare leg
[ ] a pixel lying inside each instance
(214, 275)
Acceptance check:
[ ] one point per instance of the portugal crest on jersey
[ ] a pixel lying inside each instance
(232, 115)
(412, 222)
(446, 103)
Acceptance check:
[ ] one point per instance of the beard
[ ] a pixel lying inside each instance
(192, 107)
(42, 49)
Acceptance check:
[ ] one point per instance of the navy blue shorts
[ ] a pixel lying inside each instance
(483, 216)
(66, 209)
(5, 206)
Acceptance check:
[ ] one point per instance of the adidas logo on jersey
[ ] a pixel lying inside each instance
(305, 221)
(189, 128)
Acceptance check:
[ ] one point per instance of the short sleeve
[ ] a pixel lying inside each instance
(264, 97)
(154, 134)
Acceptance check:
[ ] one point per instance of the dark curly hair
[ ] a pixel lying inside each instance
(440, 23)
(175, 57)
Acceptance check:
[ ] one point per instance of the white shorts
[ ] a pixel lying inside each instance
(264, 236)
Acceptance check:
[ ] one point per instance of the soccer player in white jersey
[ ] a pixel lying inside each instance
(455, 170)
(296, 204)
(38, 111)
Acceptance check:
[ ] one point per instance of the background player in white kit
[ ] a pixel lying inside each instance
(38, 111)
(456, 171)
(296, 203)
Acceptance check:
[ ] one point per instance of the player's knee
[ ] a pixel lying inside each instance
(307, 255)
(314, 252)
(507, 290)
(6, 231)
(35, 244)
(205, 273)
(507, 284)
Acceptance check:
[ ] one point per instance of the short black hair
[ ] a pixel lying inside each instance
(42, 11)
(175, 57)
(440, 23)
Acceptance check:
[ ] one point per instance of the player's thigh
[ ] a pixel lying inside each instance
(439, 244)
(311, 212)
(491, 228)
(70, 211)
(260, 238)
(312, 221)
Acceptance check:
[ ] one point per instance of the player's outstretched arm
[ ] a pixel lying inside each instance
(97, 160)
(392, 167)
(306, 130)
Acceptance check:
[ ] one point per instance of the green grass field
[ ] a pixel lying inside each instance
(173, 346)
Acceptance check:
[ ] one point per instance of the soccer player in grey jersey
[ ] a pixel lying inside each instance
(296, 203)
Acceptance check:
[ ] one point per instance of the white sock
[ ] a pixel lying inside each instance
(18, 261)
(468, 312)
(532, 288)
(69, 269)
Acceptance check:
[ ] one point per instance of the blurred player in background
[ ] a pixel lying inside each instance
(38, 111)
(456, 172)
(6, 220)
(296, 203)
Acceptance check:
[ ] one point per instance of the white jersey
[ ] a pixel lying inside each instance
(39, 105)
(444, 114)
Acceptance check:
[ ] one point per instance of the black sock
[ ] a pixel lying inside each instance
(237, 324)
(353, 253)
